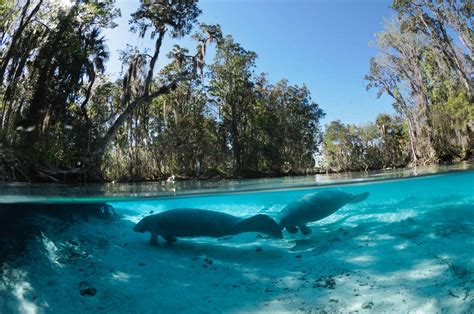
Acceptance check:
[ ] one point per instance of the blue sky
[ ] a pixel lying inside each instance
(322, 43)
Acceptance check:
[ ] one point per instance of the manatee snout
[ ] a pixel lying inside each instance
(140, 227)
(261, 223)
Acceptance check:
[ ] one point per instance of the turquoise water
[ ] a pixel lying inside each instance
(407, 248)
(391, 195)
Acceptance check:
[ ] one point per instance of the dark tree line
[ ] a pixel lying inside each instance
(60, 114)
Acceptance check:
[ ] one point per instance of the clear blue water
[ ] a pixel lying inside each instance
(426, 191)
(408, 248)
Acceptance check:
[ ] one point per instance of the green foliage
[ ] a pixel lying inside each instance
(376, 145)
(265, 128)
(5, 8)
(59, 109)
(179, 15)
(426, 74)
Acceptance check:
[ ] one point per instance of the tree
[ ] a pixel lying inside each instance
(425, 73)
(177, 16)
(298, 121)
(393, 141)
(434, 19)
(386, 80)
(232, 87)
(48, 71)
(399, 67)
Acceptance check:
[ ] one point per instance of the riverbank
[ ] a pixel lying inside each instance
(15, 170)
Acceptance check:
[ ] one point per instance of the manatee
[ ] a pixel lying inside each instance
(191, 222)
(314, 207)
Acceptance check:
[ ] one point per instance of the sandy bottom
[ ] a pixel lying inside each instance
(400, 258)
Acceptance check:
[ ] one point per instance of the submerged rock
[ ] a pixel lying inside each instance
(325, 282)
(86, 290)
(368, 305)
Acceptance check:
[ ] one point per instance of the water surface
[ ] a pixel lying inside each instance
(24, 192)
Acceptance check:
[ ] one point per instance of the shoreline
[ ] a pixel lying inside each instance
(100, 193)
(74, 176)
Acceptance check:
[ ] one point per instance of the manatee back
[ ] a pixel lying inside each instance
(191, 222)
(259, 223)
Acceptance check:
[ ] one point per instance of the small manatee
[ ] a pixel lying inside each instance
(314, 207)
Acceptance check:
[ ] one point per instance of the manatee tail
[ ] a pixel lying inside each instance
(259, 223)
(359, 197)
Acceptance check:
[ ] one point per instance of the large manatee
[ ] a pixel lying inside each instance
(191, 222)
(314, 207)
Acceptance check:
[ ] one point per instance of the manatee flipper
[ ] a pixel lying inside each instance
(259, 223)
(305, 230)
(153, 238)
(170, 239)
(291, 229)
(359, 198)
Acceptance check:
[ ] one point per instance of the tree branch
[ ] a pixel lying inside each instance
(147, 98)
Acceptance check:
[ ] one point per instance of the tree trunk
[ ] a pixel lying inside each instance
(153, 60)
(444, 44)
(425, 108)
(40, 102)
(165, 114)
(145, 98)
(109, 136)
(235, 139)
(17, 35)
(411, 133)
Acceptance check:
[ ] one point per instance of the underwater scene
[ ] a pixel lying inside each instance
(388, 242)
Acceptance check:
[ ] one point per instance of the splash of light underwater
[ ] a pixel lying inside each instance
(408, 247)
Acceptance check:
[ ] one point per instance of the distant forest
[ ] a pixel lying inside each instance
(63, 119)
